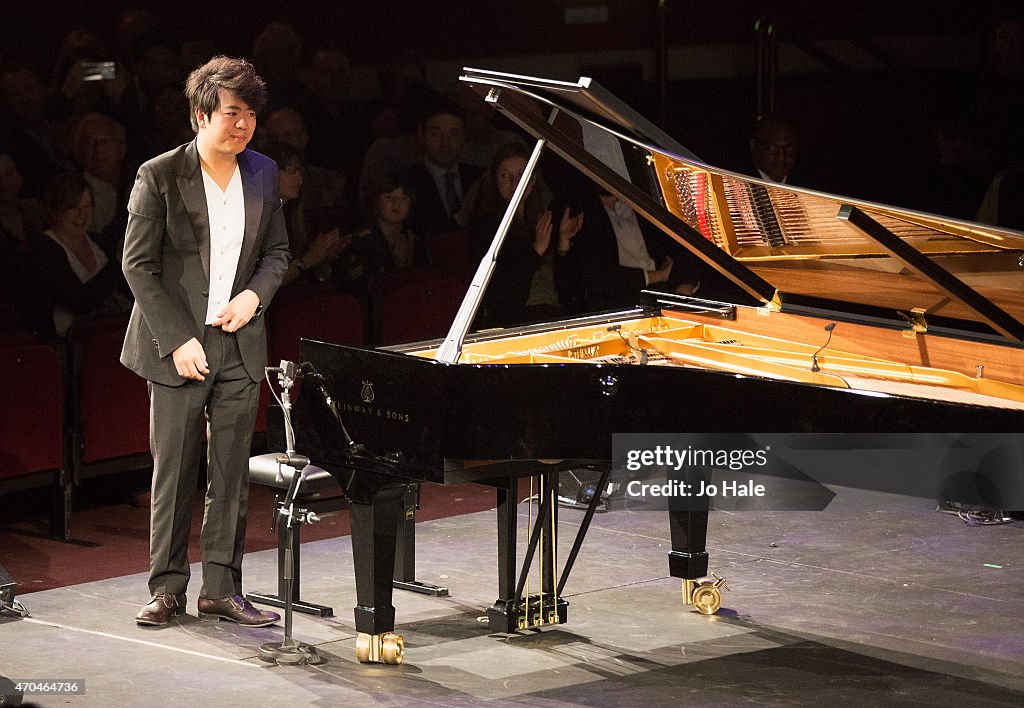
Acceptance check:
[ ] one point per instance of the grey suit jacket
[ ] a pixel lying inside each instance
(167, 259)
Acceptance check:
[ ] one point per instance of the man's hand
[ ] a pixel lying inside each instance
(238, 312)
(568, 227)
(662, 273)
(190, 360)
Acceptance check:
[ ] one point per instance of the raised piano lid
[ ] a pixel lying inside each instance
(787, 248)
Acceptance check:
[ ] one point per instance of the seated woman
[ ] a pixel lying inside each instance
(312, 261)
(522, 287)
(385, 242)
(67, 274)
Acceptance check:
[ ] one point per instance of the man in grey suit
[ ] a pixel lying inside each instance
(205, 251)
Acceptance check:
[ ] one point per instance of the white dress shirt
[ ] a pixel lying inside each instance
(227, 227)
(630, 239)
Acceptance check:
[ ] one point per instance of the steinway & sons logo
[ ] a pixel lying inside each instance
(367, 396)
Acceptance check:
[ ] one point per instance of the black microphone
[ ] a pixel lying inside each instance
(814, 357)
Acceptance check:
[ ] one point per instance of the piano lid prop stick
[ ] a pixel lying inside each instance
(451, 349)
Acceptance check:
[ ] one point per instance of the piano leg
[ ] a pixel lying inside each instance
(374, 527)
(688, 559)
(688, 526)
(501, 616)
(405, 554)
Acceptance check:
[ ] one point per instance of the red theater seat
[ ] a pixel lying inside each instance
(32, 440)
(327, 316)
(450, 253)
(418, 309)
(31, 417)
(110, 418)
(330, 317)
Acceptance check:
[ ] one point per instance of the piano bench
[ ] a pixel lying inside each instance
(319, 493)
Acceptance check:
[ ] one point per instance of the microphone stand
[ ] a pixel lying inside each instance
(289, 651)
(815, 367)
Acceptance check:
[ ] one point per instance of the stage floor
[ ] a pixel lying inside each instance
(877, 600)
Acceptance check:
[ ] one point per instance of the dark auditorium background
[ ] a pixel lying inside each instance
(868, 83)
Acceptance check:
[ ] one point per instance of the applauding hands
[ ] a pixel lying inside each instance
(568, 226)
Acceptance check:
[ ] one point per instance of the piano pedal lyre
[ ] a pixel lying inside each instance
(387, 648)
(704, 593)
(537, 611)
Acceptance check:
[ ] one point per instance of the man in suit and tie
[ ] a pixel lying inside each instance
(440, 181)
(205, 251)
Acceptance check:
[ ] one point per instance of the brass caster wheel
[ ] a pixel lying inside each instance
(704, 594)
(392, 650)
(707, 599)
(363, 648)
(387, 648)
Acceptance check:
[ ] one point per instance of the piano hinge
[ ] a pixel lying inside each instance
(492, 95)
(915, 318)
(776, 303)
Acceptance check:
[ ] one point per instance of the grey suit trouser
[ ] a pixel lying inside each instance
(226, 402)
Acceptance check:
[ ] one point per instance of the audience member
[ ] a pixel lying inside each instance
(1003, 204)
(157, 65)
(133, 24)
(99, 145)
(285, 125)
(773, 149)
(33, 140)
(613, 256)
(385, 243)
(321, 188)
(156, 68)
(195, 53)
(522, 287)
(958, 170)
(440, 180)
(482, 138)
(67, 273)
(277, 54)
(312, 260)
(1000, 100)
(977, 135)
(21, 221)
(338, 134)
(399, 76)
(398, 153)
(74, 91)
(164, 127)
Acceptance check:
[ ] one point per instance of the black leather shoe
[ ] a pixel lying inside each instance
(161, 609)
(235, 609)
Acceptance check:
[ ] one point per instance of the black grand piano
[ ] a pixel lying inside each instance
(924, 316)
